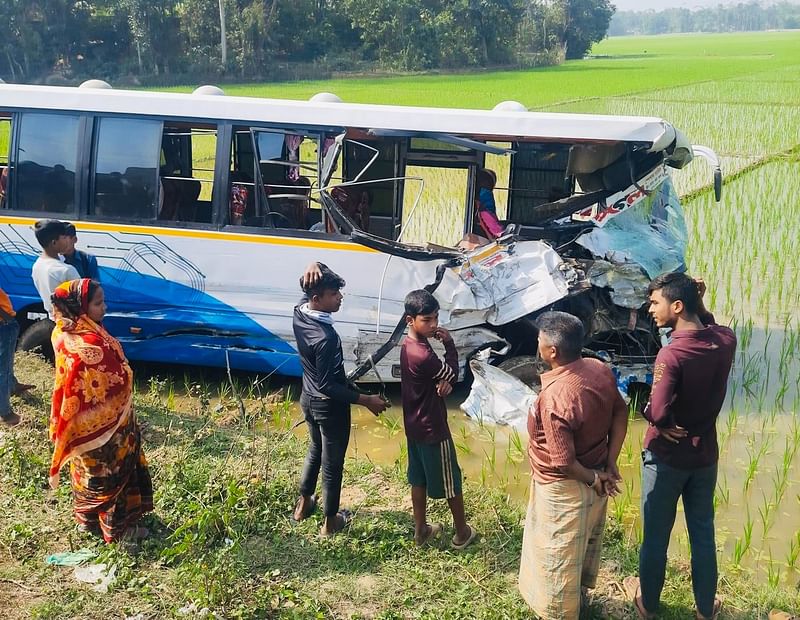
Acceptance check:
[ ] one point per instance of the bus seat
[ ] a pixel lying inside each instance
(180, 199)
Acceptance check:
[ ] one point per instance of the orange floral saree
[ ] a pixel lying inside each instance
(93, 426)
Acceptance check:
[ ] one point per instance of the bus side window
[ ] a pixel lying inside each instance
(44, 163)
(126, 168)
(5, 148)
(186, 173)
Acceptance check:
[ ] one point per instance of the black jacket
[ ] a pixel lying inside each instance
(321, 356)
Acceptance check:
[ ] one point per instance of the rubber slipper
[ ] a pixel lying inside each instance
(434, 531)
(346, 517)
(463, 545)
(312, 507)
(714, 613)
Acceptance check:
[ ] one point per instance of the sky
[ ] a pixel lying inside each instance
(657, 5)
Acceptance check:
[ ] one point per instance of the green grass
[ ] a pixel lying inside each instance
(225, 484)
(629, 64)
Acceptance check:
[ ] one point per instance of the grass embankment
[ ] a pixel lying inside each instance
(222, 538)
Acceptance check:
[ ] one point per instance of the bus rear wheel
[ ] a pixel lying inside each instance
(36, 339)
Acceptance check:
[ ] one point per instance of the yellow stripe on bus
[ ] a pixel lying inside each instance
(204, 234)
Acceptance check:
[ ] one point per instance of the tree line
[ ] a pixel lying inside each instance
(164, 40)
(749, 16)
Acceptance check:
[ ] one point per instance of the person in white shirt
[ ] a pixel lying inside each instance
(50, 270)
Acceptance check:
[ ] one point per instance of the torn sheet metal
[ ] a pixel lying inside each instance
(651, 234)
(500, 283)
(624, 200)
(497, 397)
(627, 282)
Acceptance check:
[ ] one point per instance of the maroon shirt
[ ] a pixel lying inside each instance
(424, 411)
(690, 378)
(571, 418)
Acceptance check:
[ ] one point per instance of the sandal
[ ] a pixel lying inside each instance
(345, 516)
(311, 508)
(634, 594)
(714, 612)
(473, 533)
(434, 531)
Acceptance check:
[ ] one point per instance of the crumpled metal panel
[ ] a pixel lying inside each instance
(500, 283)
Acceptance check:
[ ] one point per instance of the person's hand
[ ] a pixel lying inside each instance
(443, 388)
(311, 275)
(701, 286)
(442, 335)
(673, 434)
(600, 480)
(373, 402)
(613, 470)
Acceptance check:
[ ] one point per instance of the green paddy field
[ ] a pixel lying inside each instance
(225, 475)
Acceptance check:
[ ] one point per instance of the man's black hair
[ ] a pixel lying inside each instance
(329, 281)
(420, 302)
(564, 331)
(677, 286)
(69, 227)
(47, 231)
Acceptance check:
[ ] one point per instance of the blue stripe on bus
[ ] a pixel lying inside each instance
(178, 324)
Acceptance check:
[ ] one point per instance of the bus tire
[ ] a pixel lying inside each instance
(36, 339)
(526, 368)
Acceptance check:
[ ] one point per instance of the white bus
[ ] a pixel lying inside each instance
(203, 210)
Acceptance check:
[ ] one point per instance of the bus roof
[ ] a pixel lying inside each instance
(497, 124)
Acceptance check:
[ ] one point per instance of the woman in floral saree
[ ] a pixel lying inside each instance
(92, 423)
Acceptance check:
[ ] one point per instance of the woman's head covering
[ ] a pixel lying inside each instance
(72, 298)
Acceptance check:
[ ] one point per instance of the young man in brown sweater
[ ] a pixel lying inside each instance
(690, 379)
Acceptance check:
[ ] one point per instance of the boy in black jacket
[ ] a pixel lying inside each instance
(326, 396)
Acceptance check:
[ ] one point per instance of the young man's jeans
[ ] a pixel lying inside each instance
(662, 485)
(328, 424)
(8, 343)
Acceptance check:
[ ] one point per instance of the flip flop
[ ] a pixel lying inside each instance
(714, 613)
(633, 592)
(346, 516)
(473, 533)
(312, 507)
(434, 531)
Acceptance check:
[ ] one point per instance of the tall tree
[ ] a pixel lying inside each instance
(582, 23)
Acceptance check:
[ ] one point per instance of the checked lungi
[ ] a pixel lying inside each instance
(560, 547)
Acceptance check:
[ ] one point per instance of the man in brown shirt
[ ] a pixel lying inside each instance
(576, 430)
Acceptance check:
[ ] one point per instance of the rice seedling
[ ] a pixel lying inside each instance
(773, 572)
(793, 554)
(742, 545)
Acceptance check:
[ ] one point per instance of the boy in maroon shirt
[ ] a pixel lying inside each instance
(425, 380)
(680, 453)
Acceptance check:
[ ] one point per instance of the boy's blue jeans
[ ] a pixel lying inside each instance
(8, 343)
(662, 485)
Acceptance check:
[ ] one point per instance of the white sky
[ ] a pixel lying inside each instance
(658, 5)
